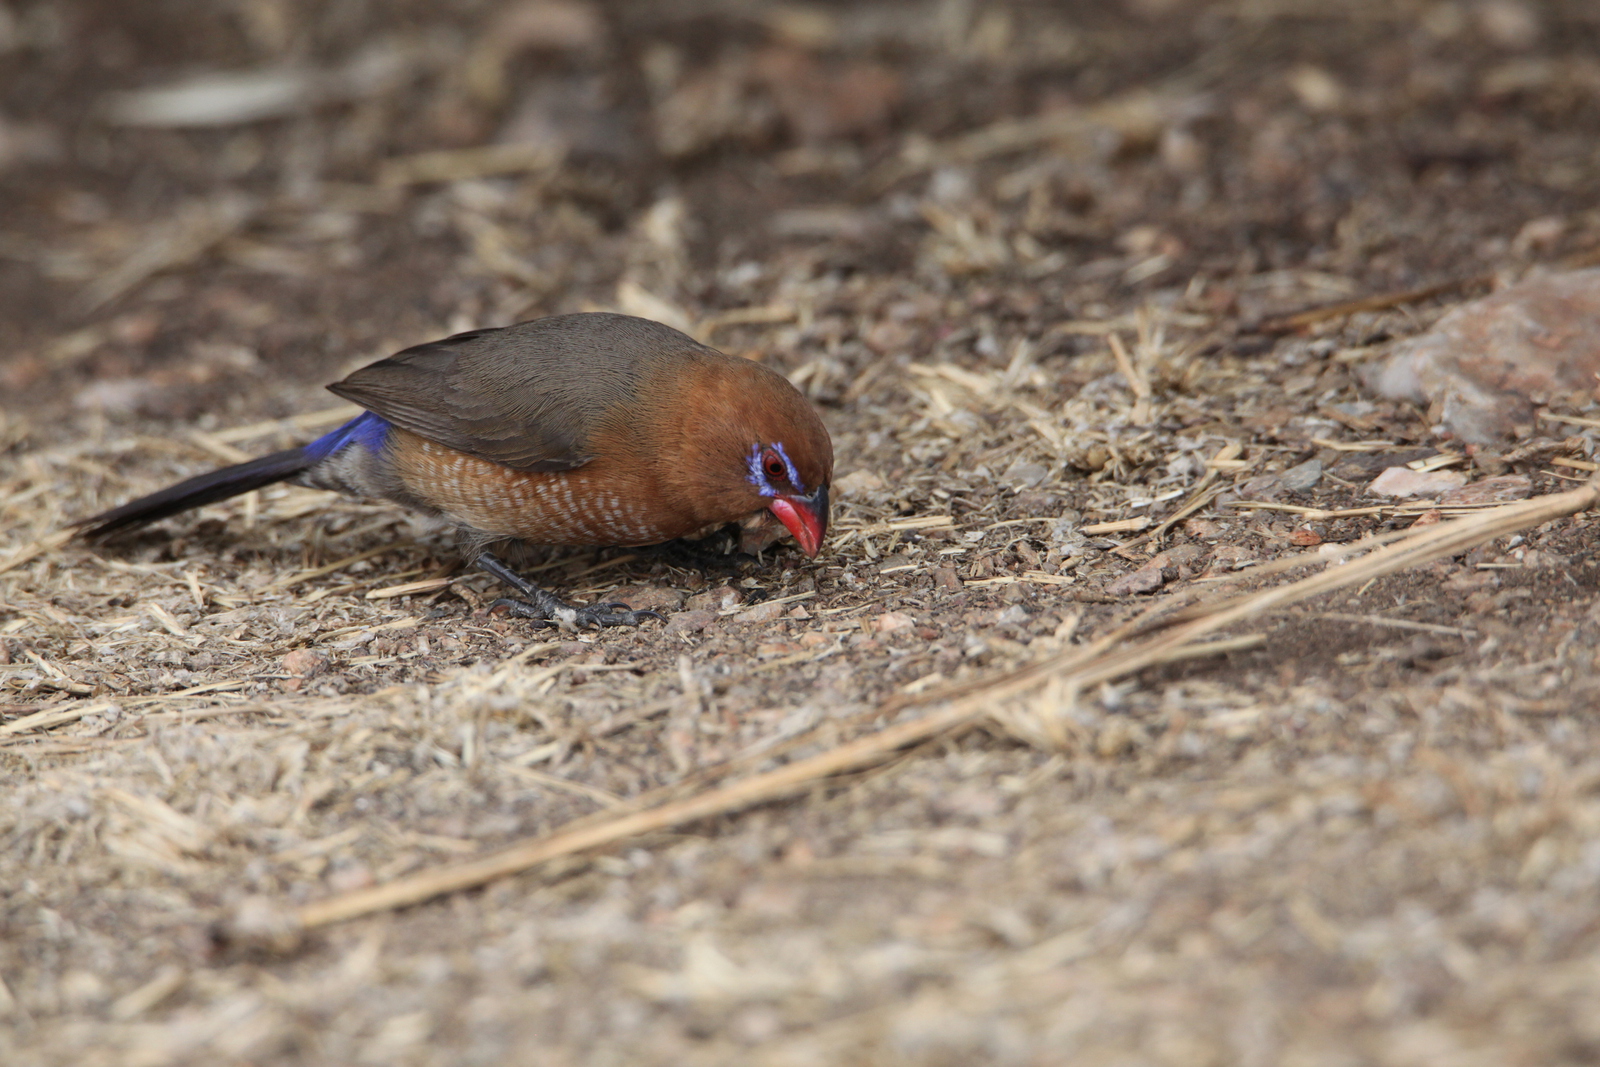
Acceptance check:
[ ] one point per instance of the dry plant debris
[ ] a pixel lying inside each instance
(1109, 658)
(1086, 293)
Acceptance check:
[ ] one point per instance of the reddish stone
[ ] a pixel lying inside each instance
(1485, 366)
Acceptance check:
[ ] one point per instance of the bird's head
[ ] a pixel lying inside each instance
(757, 448)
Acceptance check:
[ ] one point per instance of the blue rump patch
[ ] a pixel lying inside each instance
(366, 430)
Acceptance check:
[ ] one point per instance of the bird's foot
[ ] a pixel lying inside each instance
(547, 608)
(558, 613)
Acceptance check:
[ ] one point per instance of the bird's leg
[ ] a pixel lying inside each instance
(550, 609)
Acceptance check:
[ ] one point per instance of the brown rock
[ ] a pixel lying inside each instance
(1487, 364)
(1266, 487)
(1090, 459)
(1227, 557)
(1401, 482)
(1146, 579)
(893, 621)
(1184, 557)
(761, 613)
(690, 622)
(649, 597)
(1204, 529)
(1179, 561)
(717, 598)
(305, 662)
(1298, 479)
(946, 579)
(1488, 460)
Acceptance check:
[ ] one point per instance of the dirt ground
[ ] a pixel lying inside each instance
(1034, 263)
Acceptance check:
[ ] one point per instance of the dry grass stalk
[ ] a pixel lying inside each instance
(1075, 669)
(34, 549)
(1572, 420)
(1202, 494)
(1382, 301)
(1133, 525)
(54, 715)
(1413, 548)
(1394, 624)
(423, 585)
(764, 315)
(171, 243)
(1137, 381)
(463, 164)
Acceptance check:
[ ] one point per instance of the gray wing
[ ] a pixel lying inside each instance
(526, 396)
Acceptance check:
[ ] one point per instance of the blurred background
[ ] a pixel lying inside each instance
(198, 199)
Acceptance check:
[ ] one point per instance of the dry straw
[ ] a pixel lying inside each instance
(1158, 636)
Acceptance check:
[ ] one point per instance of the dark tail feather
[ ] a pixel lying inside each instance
(201, 489)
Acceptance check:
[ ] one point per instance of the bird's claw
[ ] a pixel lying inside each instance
(615, 615)
(550, 610)
(570, 617)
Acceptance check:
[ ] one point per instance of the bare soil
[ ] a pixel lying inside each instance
(1035, 263)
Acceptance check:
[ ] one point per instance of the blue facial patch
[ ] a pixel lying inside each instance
(758, 474)
(366, 430)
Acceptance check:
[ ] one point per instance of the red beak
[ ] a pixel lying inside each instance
(806, 517)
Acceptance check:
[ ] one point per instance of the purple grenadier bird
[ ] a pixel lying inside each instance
(589, 429)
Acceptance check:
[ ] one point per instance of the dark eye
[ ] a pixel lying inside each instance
(773, 464)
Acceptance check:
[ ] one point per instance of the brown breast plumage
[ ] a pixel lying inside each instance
(586, 506)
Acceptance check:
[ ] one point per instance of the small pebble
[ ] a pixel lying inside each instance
(690, 622)
(1403, 482)
(892, 621)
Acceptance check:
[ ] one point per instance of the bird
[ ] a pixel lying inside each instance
(589, 429)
